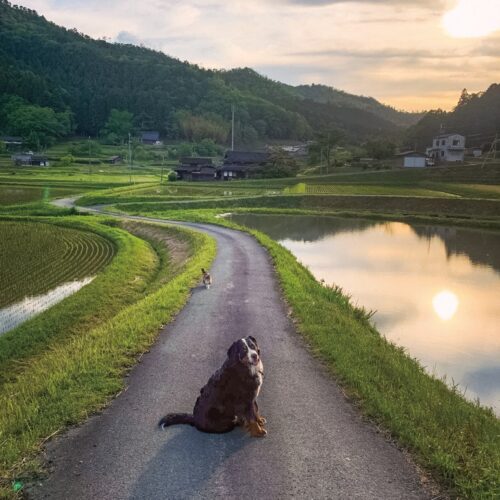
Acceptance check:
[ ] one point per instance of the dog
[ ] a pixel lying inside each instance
(207, 279)
(229, 398)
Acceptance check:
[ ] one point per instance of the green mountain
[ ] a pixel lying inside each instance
(81, 80)
(476, 116)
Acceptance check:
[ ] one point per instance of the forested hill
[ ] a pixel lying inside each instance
(81, 80)
(476, 115)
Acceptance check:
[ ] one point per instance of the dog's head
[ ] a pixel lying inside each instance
(245, 351)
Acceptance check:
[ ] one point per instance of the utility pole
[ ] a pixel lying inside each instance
(162, 164)
(232, 127)
(90, 168)
(129, 158)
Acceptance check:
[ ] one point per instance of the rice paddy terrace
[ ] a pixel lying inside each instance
(37, 257)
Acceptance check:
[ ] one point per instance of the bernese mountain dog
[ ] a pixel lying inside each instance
(230, 396)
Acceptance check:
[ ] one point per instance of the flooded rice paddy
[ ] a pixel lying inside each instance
(15, 314)
(435, 289)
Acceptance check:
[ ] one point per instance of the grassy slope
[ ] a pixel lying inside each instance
(78, 375)
(453, 438)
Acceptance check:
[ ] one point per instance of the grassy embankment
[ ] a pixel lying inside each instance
(454, 439)
(57, 379)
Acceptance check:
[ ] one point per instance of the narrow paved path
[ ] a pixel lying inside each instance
(317, 446)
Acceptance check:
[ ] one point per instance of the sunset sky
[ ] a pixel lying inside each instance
(411, 54)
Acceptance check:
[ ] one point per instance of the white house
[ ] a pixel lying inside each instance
(447, 147)
(413, 159)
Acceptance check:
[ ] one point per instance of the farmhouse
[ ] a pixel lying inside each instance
(196, 169)
(242, 164)
(447, 148)
(30, 159)
(151, 137)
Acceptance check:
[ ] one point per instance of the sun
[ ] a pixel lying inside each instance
(473, 18)
(445, 304)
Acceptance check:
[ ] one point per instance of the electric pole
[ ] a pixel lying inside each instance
(129, 158)
(232, 127)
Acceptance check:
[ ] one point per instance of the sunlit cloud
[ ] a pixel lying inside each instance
(473, 18)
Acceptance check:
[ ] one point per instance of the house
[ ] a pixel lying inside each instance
(151, 137)
(12, 142)
(30, 159)
(243, 164)
(196, 169)
(447, 148)
(114, 160)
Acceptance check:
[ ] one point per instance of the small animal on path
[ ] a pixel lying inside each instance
(229, 398)
(207, 279)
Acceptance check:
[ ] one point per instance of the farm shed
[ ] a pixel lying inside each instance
(150, 137)
(30, 159)
(414, 160)
(115, 159)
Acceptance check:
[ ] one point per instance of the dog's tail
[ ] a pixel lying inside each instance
(203, 271)
(176, 418)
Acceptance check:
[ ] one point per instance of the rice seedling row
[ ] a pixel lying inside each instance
(36, 257)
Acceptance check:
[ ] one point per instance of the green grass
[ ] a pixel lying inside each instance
(37, 257)
(78, 375)
(456, 440)
(437, 207)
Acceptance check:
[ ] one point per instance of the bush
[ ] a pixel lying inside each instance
(172, 176)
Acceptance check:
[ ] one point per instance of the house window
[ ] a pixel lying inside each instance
(442, 154)
(456, 142)
(436, 142)
(443, 142)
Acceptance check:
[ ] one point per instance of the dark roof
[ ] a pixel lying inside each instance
(411, 153)
(114, 158)
(443, 136)
(151, 135)
(246, 157)
(39, 158)
(195, 160)
(8, 138)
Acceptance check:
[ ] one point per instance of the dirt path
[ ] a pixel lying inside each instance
(317, 446)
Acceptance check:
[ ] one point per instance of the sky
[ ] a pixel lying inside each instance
(410, 54)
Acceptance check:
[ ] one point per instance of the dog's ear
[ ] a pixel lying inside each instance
(233, 350)
(255, 342)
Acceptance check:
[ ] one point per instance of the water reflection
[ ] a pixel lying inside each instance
(435, 289)
(445, 304)
(12, 316)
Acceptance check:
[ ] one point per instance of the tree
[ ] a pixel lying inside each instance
(118, 126)
(39, 126)
(380, 149)
(321, 151)
(282, 164)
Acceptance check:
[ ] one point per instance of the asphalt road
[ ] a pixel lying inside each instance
(317, 445)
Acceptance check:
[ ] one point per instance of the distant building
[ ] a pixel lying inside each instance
(12, 142)
(30, 159)
(114, 160)
(243, 164)
(151, 137)
(196, 169)
(414, 159)
(447, 148)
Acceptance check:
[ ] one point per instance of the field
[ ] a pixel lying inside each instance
(71, 359)
(37, 257)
